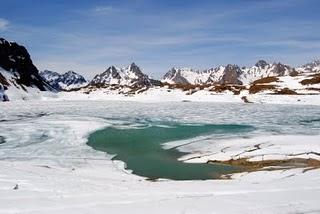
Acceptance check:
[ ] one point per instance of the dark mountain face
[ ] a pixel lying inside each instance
(261, 64)
(15, 58)
(231, 75)
(72, 78)
(175, 76)
(281, 69)
(141, 79)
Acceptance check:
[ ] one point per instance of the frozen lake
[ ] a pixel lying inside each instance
(43, 150)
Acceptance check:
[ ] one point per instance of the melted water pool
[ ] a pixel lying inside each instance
(141, 148)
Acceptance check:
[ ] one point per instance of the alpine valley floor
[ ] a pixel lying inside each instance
(46, 165)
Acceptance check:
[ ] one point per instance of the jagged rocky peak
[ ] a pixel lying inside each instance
(282, 69)
(261, 64)
(49, 75)
(73, 79)
(128, 76)
(66, 81)
(170, 73)
(109, 77)
(231, 75)
(112, 72)
(313, 66)
(16, 60)
(177, 76)
(186, 76)
(135, 69)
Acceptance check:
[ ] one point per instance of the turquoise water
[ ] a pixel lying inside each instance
(141, 148)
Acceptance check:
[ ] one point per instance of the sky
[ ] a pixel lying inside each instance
(88, 36)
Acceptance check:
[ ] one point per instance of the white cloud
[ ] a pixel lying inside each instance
(3, 24)
(103, 10)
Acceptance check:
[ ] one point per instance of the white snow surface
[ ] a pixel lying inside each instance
(45, 157)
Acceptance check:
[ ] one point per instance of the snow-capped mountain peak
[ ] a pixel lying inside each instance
(261, 64)
(66, 81)
(128, 76)
(185, 76)
(313, 66)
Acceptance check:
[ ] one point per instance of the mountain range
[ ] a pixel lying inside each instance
(18, 71)
(229, 74)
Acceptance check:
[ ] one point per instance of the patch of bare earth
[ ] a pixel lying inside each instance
(266, 80)
(286, 91)
(314, 80)
(256, 88)
(313, 89)
(235, 89)
(270, 165)
(186, 87)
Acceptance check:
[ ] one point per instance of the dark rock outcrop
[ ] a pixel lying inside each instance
(282, 69)
(231, 75)
(175, 76)
(261, 64)
(15, 59)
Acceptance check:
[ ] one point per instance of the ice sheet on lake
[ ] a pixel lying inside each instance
(45, 154)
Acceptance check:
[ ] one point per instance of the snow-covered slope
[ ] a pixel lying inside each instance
(128, 76)
(230, 74)
(66, 81)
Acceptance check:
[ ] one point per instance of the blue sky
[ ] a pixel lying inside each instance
(88, 36)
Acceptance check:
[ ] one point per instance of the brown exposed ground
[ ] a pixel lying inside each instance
(266, 80)
(262, 85)
(186, 87)
(286, 91)
(132, 89)
(236, 89)
(270, 165)
(258, 88)
(313, 89)
(314, 80)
